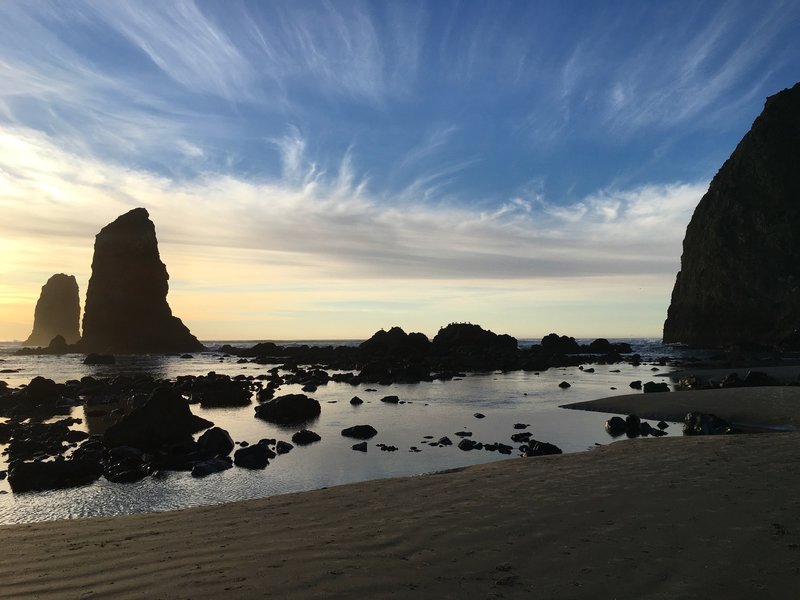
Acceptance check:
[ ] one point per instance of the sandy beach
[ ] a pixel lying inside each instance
(713, 517)
(767, 407)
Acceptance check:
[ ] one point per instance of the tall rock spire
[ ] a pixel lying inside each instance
(126, 302)
(57, 312)
(740, 270)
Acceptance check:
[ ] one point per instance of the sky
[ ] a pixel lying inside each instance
(322, 170)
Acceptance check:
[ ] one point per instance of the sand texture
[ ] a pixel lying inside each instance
(769, 407)
(713, 517)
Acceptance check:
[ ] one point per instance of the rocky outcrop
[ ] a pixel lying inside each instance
(739, 281)
(126, 301)
(57, 312)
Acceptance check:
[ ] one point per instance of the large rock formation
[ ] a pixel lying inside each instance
(58, 312)
(740, 271)
(126, 302)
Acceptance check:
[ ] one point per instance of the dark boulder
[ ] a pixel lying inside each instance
(57, 313)
(356, 401)
(616, 426)
(215, 442)
(360, 432)
(220, 391)
(290, 409)
(24, 476)
(564, 385)
(360, 447)
(636, 385)
(212, 465)
(535, 448)
(651, 387)
(253, 457)
(165, 419)
(283, 447)
(126, 301)
(305, 437)
(705, 424)
(390, 399)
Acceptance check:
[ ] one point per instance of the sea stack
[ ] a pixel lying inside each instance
(126, 302)
(57, 312)
(739, 281)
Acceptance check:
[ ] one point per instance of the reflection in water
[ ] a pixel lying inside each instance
(432, 409)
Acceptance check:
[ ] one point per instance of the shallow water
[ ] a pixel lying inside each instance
(428, 409)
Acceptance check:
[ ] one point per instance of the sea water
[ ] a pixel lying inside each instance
(435, 409)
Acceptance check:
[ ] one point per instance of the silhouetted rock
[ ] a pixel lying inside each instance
(615, 426)
(395, 344)
(57, 312)
(99, 359)
(215, 442)
(290, 409)
(555, 344)
(705, 424)
(164, 420)
(535, 448)
(253, 457)
(212, 465)
(464, 345)
(740, 269)
(26, 476)
(305, 437)
(651, 387)
(360, 432)
(126, 302)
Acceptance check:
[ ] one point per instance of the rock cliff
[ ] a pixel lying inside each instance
(57, 312)
(126, 301)
(739, 281)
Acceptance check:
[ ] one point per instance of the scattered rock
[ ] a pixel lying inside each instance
(390, 399)
(255, 456)
(215, 442)
(305, 437)
(356, 401)
(360, 432)
(535, 448)
(651, 387)
(564, 385)
(705, 424)
(290, 409)
(360, 447)
(212, 465)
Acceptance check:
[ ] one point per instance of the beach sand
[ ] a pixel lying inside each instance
(768, 407)
(702, 517)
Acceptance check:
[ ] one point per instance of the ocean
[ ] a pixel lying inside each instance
(439, 408)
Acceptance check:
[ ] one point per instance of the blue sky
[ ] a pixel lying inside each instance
(323, 169)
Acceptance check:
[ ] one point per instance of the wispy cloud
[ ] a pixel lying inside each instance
(339, 229)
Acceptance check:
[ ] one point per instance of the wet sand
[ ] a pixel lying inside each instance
(768, 407)
(657, 518)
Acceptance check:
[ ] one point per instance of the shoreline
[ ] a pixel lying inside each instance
(765, 407)
(674, 517)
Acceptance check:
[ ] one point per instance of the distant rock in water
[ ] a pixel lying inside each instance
(739, 281)
(126, 302)
(57, 312)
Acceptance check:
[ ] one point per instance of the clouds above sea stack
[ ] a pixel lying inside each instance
(384, 163)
